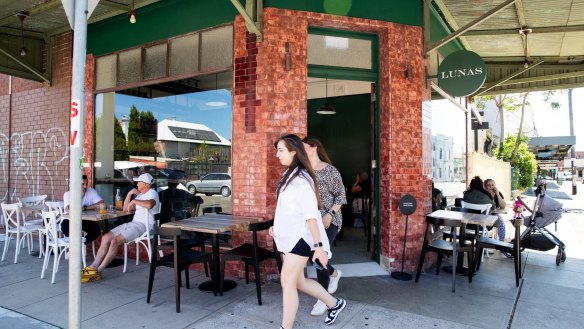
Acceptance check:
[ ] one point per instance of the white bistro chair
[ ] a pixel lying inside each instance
(14, 225)
(484, 209)
(143, 240)
(31, 201)
(55, 244)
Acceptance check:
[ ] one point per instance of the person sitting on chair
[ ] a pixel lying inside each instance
(495, 193)
(477, 194)
(145, 201)
(91, 201)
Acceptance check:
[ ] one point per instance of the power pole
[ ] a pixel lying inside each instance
(573, 151)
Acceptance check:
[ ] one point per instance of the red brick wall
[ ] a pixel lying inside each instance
(279, 106)
(39, 119)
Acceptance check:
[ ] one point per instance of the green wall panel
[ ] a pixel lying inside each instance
(161, 20)
(346, 135)
(399, 11)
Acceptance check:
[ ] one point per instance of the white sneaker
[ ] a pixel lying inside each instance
(319, 308)
(334, 282)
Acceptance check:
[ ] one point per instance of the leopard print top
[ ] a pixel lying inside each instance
(332, 192)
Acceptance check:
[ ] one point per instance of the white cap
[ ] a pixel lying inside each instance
(145, 178)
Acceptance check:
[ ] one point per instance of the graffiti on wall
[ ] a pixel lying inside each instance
(37, 161)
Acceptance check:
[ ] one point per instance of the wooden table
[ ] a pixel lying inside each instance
(95, 216)
(465, 218)
(214, 224)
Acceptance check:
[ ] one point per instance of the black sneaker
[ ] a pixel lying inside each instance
(334, 312)
(506, 254)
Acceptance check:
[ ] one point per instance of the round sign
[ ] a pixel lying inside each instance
(407, 204)
(462, 73)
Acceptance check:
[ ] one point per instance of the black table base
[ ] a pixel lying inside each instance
(207, 286)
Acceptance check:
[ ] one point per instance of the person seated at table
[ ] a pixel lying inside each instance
(144, 200)
(172, 197)
(438, 200)
(477, 194)
(498, 197)
(91, 201)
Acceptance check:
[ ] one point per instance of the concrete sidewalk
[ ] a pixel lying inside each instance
(549, 296)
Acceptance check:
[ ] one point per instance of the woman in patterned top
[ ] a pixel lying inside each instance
(332, 196)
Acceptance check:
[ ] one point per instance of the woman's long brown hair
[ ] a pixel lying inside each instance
(299, 166)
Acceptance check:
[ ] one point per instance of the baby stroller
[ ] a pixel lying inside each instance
(545, 211)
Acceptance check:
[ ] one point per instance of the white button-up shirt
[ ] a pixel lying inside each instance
(296, 204)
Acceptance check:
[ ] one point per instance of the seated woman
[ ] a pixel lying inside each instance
(477, 194)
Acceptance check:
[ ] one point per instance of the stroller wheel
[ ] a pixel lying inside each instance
(563, 256)
(559, 257)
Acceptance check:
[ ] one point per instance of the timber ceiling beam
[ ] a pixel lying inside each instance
(509, 77)
(467, 27)
(18, 33)
(539, 78)
(520, 13)
(533, 89)
(452, 22)
(49, 5)
(546, 29)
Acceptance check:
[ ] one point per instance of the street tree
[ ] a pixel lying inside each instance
(524, 160)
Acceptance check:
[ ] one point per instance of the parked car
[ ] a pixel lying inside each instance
(214, 183)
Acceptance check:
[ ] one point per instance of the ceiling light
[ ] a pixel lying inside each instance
(132, 14)
(326, 108)
(21, 16)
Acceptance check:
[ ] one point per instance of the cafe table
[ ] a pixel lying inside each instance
(214, 224)
(466, 218)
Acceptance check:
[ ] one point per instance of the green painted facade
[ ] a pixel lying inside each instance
(170, 18)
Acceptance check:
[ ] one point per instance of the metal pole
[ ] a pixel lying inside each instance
(75, 160)
(573, 152)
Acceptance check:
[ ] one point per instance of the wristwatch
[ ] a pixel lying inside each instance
(318, 244)
(333, 212)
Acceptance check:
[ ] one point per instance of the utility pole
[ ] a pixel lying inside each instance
(573, 151)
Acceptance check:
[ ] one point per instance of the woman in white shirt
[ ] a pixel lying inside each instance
(298, 229)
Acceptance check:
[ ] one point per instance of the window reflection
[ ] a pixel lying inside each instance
(177, 131)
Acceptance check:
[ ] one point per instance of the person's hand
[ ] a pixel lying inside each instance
(134, 191)
(321, 255)
(326, 220)
(271, 232)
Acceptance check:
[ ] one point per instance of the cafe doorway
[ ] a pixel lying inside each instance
(348, 136)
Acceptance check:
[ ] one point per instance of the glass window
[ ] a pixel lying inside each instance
(106, 71)
(177, 136)
(339, 51)
(184, 54)
(129, 66)
(217, 48)
(155, 61)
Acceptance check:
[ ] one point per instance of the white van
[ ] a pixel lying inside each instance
(564, 175)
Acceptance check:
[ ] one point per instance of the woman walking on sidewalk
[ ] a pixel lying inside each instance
(298, 229)
(332, 198)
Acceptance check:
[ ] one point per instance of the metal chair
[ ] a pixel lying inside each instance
(180, 257)
(251, 255)
(434, 243)
(514, 248)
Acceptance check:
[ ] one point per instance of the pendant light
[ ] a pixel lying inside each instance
(326, 108)
(21, 16)
(132, 14)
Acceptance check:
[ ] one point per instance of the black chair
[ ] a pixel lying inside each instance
(251, 255)
(179, 258)
(513, 248)
(435, 243)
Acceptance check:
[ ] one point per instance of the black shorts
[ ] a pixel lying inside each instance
(302, 249)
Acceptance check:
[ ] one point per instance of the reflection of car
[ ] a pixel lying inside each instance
(214, 183)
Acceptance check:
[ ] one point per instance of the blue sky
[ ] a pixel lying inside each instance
(211, 108)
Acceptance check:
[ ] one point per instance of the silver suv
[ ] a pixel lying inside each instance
(214, 183)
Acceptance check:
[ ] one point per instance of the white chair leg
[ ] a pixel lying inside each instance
(18, 242)
(125, 256)
(6, 245)
(93, 248)
(137, 252)
(58, 254)
(46, 261)
(84, 255)
(41, 249)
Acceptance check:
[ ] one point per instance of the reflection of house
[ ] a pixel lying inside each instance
(442, 160)
(185, 140)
